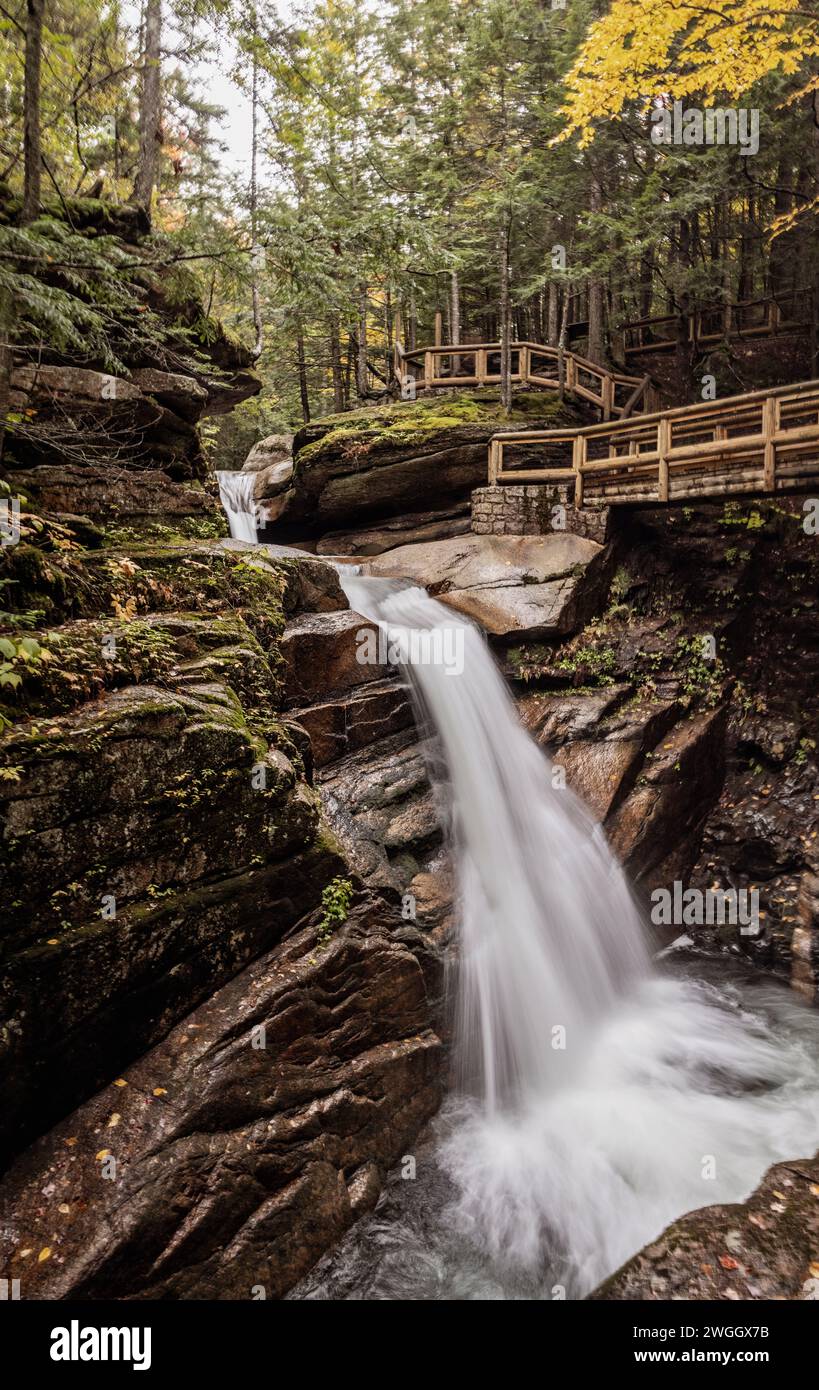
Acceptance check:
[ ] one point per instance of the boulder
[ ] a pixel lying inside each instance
(384, 462)
(276, 448)
(764, 1248)
(382, 810)
(512, 586)
(244, 1145)
(272, 481)
(328, 652)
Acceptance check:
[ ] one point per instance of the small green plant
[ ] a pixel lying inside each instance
(335, 902)
(806, 745)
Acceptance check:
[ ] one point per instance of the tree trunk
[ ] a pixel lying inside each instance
(412, 325)
(389, 339)
(553, 322)
(150, 107)
(561, 343)
(455, 318)
(6, 317)
(595, 340)
(361, 380)
(257, 257)
(31, 109)
(302, 365)
(335, 365)
(505, 320)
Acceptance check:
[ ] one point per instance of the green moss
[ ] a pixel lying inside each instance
(414, 422)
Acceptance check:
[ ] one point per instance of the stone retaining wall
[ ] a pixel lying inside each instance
(535, 510)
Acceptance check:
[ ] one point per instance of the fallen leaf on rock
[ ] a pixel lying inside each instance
(45, 1254)
(160, 1091)
(103, 1153)
(114, 1121)
(728, 1262)
(64, 1208)
(120, 1082)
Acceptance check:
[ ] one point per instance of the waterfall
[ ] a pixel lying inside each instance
(598, 1096)
(236, 492)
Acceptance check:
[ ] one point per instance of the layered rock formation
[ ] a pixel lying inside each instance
(412, 465)
(225, 1161)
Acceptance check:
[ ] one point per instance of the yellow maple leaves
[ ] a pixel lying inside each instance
(640, 53)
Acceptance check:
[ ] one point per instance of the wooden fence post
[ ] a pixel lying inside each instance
(578, 459)
(429, 368)
(608, 396)
(495, 460)
(663, 446)
(770, 425)
(480, 366)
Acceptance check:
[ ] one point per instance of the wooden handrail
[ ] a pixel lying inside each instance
(416, 370)
(774, 322)
(681, 452)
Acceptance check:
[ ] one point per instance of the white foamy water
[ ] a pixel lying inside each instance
(597, 1098)
(236, 492)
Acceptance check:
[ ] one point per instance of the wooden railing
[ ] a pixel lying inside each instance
(751, 318)
(760, 442)
(616, 394)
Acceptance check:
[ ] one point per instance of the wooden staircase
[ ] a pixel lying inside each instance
(765, 441)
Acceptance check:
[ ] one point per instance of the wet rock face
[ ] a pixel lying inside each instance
(158, 827)
(760, 1249)
(686, 713)
(247, 1141)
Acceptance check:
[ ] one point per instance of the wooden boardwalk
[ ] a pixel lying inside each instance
(765, 441)
(617, 395)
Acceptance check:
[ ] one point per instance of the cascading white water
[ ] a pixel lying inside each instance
(236, 492)
(600, 1097)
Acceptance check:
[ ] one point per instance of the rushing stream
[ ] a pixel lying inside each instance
(597, 1096)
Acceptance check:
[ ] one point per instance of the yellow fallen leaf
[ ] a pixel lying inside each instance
(52, 941)
(814, 1187)
(114, 1121)
(814, 1269)
(24, 1254)
(64, 1208)
(45, 1254)
(103, 1153)
(120, 1082)
(780, 1195)
(160, 1091)
(71, 1142)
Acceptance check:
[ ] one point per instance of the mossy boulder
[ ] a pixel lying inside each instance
(394, 459)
